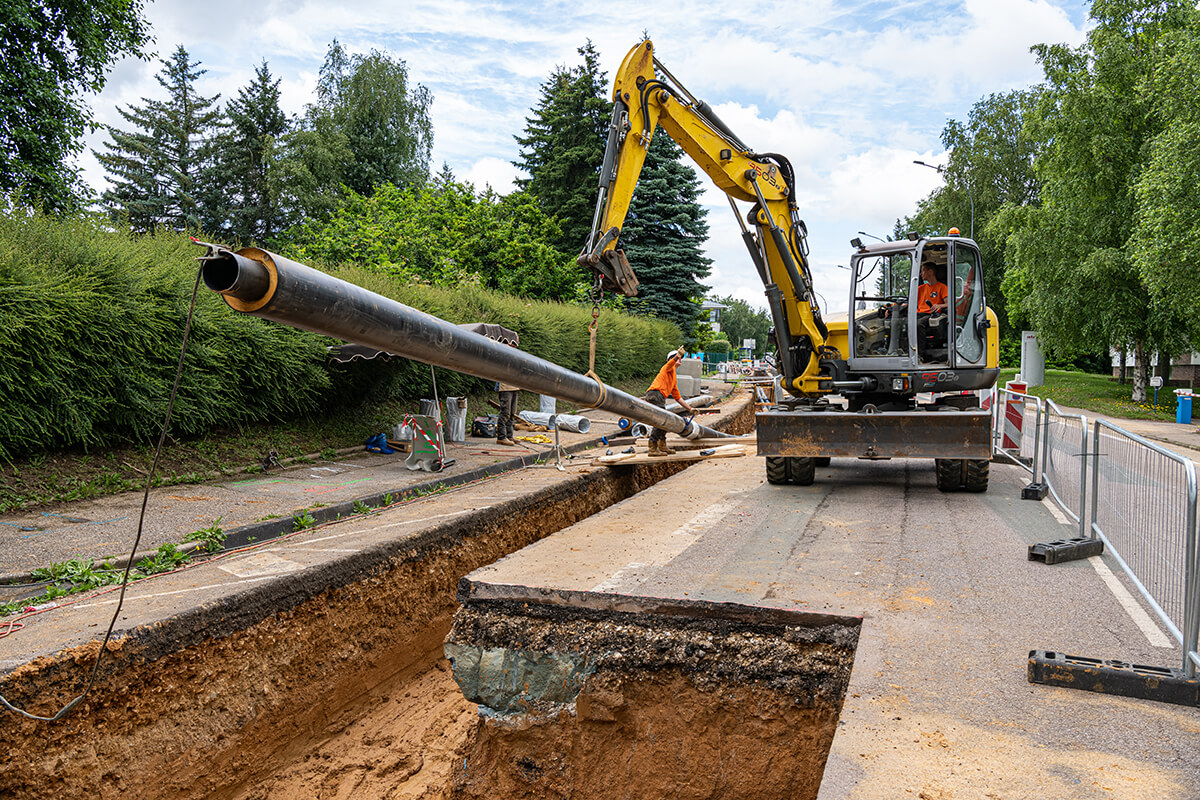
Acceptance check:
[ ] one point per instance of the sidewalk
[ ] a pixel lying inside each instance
(254, 507)
(1184, 439)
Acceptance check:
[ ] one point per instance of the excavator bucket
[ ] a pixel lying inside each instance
(589, 694)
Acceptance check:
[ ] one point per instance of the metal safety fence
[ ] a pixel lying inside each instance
(1063, 463)
(1136, 496)
(1143, 506)
(1016, 428)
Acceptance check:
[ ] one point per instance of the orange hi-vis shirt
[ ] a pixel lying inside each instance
(665, 381)
(928, 294)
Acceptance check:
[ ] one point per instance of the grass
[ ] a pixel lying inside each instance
(1101, 394)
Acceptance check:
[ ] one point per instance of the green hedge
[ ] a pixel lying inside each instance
(91, 322)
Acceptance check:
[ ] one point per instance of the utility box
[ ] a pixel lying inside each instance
(1033, 361)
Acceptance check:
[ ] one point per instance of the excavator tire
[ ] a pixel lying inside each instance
(821, 461)
(802, 470)
(949, 474)
(777, 471)
(976, 479)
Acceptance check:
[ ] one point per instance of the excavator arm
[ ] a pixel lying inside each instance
(645, 97)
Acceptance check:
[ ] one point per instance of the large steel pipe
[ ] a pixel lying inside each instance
(266, 285)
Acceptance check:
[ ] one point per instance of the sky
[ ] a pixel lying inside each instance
(851, 92)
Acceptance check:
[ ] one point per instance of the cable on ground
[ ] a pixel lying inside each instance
(187, 329)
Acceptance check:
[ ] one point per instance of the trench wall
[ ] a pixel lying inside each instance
(201, 704)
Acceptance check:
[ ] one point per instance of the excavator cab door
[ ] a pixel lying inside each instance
(967, 308)
(879, 318)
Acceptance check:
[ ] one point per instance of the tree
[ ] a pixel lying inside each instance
(739, 321)
(241, 199)
(563, 146)
(1166, 238)
(663, 237)
(54, 52)
(1071, 269)
(445, 235)
(386, 123)
(155, 169)
(990, 162)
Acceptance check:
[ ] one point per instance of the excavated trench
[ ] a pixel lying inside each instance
(344, 692)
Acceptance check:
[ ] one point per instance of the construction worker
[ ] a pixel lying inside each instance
(506, 395)
(665, 386)
(931, 294)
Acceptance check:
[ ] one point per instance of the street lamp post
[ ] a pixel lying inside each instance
(942, 171)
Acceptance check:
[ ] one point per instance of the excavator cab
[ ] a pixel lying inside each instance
(919, 321)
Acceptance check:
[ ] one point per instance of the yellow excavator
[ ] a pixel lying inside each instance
(894, 377)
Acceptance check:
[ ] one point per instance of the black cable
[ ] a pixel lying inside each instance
(187, 328)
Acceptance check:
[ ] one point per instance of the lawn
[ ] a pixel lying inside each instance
(1101, 394)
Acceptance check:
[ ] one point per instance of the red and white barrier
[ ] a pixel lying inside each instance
(1014, 416)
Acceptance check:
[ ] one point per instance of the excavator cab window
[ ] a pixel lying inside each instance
(966, 305)
(881, 291)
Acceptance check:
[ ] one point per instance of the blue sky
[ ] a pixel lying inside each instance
(851, 92)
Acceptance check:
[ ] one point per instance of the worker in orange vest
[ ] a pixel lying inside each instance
(664, 386)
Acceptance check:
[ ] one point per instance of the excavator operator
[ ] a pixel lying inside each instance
(931, 294)
(931, 311)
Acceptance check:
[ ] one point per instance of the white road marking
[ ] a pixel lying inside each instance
(1132, 607)
(129, 597)
(1057, 512)
(259, 564)
(614, 580)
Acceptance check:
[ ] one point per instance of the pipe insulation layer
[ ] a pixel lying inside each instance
(266, 285)
(565, 422)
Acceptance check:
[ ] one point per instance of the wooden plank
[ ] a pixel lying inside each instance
(678, 443)
(625, 459)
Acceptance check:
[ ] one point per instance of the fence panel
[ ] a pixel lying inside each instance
(1064, 439)
(1016, 425)
(1144, 508)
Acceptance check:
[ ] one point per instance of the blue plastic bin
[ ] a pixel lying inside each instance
(1183, 409)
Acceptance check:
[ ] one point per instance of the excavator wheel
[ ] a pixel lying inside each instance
(801, 470)
(976, 478)
(949, 474)
(777, 471)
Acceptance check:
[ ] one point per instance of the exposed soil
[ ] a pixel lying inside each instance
(335, 695)
(655, 736)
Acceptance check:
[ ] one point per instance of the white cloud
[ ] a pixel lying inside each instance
(494, 172)
(850, 91)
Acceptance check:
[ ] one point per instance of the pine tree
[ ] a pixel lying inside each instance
(241, 198)
(663, 237)
(563, 146)
(155, 169)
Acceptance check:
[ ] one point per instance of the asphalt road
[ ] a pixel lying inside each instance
(939, 706)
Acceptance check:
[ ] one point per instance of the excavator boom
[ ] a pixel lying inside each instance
(646, 97)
